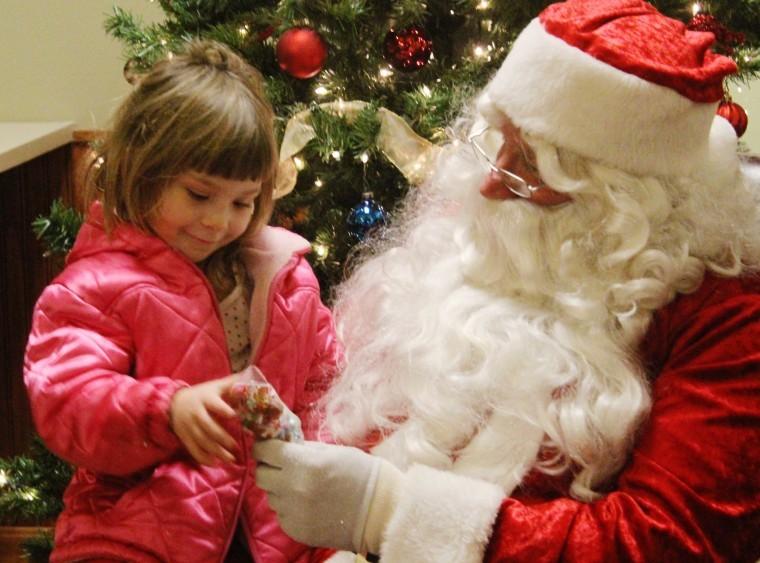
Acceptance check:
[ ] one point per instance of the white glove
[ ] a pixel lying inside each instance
(322, 492)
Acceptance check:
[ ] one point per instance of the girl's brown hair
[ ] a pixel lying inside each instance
(202, 110)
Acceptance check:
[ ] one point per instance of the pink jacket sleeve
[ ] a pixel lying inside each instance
(321, 369)
(691, 491)
(86, 406)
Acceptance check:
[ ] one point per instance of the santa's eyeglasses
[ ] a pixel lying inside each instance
(514, 183)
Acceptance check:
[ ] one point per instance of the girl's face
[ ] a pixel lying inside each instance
(198, 214)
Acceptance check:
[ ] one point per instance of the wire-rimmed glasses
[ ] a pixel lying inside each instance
(514, 183)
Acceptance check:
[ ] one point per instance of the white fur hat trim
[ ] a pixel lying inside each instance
(566, 96)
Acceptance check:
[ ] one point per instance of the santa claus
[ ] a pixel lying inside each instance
(555, 354)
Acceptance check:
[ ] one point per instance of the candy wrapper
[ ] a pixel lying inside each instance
(262, 411)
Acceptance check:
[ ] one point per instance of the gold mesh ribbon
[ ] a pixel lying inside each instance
(411, 154)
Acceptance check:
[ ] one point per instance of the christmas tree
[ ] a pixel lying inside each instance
(364, 89)
(31, 492)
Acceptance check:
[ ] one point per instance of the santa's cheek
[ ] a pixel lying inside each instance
(493, 188)
(549, 197)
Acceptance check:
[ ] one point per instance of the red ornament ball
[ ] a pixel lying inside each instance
(706, 22)
(265, 33)
(735, 115)
(301, 52)
(409, 49)
(725, 38)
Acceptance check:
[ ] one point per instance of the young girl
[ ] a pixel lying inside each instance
(174, 284)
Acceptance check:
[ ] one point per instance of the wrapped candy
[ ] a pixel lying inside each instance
(261, 410)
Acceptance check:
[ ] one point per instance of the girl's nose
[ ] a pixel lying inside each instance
(215, 219)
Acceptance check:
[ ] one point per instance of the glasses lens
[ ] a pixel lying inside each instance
(480, 153)
(515, 183)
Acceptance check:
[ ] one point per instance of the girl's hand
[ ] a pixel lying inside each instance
(192, 414)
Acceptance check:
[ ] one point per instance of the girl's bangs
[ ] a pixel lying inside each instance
(231, 144)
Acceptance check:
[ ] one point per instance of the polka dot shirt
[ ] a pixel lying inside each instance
(235, 311)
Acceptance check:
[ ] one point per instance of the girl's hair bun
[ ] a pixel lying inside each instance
(211, 53)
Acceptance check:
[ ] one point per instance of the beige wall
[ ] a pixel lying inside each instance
(58, 64)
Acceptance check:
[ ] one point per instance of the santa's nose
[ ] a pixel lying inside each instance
(493, 188)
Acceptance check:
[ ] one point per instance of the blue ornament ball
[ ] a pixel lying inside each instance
(365, 217)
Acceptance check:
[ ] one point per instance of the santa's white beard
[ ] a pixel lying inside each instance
(492, 329)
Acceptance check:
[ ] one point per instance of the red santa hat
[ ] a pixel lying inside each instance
(616, 81)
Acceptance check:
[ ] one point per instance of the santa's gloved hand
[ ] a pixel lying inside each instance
(322, 493)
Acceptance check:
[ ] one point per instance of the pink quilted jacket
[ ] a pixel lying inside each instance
(127, 323)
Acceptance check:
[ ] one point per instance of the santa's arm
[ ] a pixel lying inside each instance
(689, 492)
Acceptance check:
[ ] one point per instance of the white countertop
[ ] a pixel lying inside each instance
(21, 141)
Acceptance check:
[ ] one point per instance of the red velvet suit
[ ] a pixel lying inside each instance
(691, 489)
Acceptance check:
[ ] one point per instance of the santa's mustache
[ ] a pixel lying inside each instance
(511, 245)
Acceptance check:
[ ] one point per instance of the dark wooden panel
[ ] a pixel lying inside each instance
(25, 192)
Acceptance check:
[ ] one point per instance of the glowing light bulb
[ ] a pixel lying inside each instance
(3, 478)
(320, 250)
(364, 157)
(483, 5)
(321, 91)
(336, 155)
(696, 7)
(29, 494)
(318, 183)
(426, 91)
(299, 162)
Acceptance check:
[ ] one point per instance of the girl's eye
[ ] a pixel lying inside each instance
(243, 204)
(197, 196)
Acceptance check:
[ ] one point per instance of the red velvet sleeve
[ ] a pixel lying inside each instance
(691, 489)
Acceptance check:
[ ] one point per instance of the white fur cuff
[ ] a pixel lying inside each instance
(441, 517)
(345, 557)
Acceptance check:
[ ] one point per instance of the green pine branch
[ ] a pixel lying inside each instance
(32, 485)
(38, 548)
(58, 229)
(144, 44)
